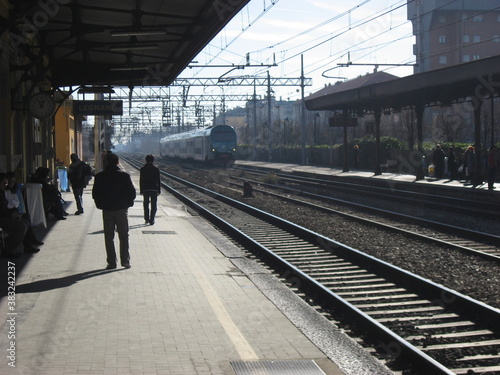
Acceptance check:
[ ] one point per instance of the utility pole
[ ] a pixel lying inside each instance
(303, 111)
(254, 122)
(269, 126)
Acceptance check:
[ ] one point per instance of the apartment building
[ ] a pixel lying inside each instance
(453, 32)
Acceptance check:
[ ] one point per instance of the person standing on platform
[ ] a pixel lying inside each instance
(113, 193)
(150, 188)
(492, 166)
(452, 163)
(79, 174)
(469, 163)
(355, 153)
(438, 157)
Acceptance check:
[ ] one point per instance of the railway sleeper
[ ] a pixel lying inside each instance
(327, 281)
(405, 311)
(382, 297)
(395, 303)
(476, 370)
(334, 276)
(429, 318)
(482, 332)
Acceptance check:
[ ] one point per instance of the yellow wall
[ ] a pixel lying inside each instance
(65, 133)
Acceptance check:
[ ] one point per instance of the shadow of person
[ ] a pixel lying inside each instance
(97, 232)
(135, 226)
(61, 282)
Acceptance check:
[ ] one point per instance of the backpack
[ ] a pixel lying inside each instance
(87, 172)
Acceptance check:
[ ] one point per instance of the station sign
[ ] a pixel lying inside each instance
(341, 121)
(98, 107)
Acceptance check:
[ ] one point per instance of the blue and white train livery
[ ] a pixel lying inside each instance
(215, 144)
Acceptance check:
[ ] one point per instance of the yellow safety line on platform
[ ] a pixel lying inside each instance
(242, 346)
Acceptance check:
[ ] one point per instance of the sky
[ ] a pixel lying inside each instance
(324, 32)
(279, 32)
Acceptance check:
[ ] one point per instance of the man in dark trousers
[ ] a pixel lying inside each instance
(438, 158)
(78, 177)
(114, 193)
(150, 188)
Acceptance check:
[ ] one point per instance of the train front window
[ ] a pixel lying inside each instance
(223, 137)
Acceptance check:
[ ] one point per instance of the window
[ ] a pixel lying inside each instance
(463, 17)
(477, 38)
(442, 39)
(496, 38)
(476, 57)
(442, 19)
(478, 18)
(466, 38)
(443, 60)
(465, 58)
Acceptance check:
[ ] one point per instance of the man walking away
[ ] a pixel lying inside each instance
(79, 174)
(114, 193)
(150, 188)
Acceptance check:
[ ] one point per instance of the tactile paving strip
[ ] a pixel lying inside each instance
(158, 232)
(297, 367)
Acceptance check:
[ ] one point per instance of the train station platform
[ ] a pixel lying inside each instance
(389, 177)
(191, 303)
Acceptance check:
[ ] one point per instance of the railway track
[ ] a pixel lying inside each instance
(483, 204)
(463, 239)
(460, 238)
(415, 325)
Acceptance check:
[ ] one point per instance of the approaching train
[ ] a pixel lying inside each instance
(215, 145)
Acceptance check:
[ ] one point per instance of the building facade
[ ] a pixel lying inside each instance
(450, 33)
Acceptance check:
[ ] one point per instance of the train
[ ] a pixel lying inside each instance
(212, 145)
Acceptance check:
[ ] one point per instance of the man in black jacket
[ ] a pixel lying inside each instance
(78, 178)
(150, 188)
(114, 193)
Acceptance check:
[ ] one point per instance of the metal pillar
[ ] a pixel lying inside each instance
(346, 151)
(254, 122)
(269, 121)
(492, 120)
(378, 115)
(303, 112)
(477, 178)
(419, 112)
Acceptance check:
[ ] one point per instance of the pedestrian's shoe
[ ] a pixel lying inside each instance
(31, 250)
(110, 267)
(152, 222)
(146, 221)
(78, 212)
(38, 243)
(126, 265)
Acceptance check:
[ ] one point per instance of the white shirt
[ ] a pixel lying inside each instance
(12, 199)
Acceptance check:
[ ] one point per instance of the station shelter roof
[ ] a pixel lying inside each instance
(115, 42)
(474, 81)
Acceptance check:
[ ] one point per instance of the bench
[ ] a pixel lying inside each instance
(390, 164)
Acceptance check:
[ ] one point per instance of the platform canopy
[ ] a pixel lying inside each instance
(473, 81)
(113, 42)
